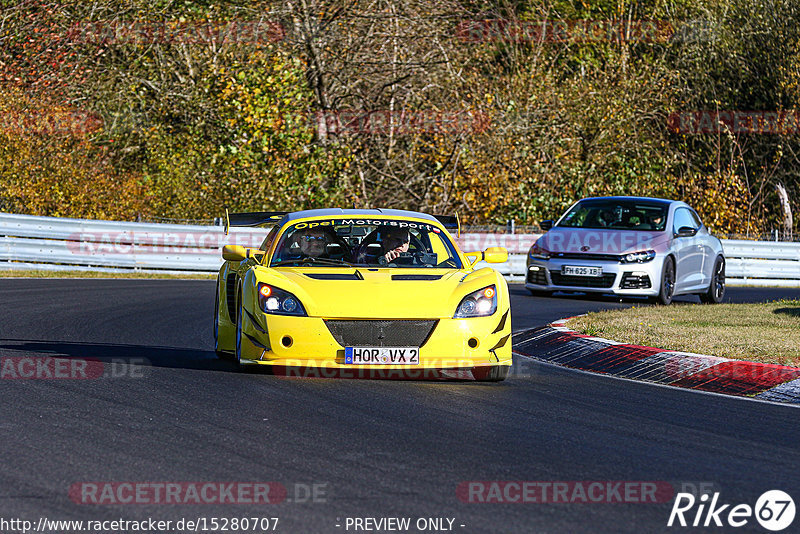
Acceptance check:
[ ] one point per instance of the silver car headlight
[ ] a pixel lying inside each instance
(538, 252)
(638, 257)
(480, 303)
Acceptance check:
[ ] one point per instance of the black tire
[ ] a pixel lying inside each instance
(498, 373)
(716, 289)
(667, 287)
(540, 293)
(225, 355)
(221, 354)
(238, 353)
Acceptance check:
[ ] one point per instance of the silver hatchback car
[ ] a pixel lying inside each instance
(628, 246)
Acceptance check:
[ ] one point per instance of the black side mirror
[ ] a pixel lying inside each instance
(686, 231)
(546, 224)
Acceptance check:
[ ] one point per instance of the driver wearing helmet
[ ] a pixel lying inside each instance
(387, 245)
(395, 243)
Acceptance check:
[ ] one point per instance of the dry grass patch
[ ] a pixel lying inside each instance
(764, 332)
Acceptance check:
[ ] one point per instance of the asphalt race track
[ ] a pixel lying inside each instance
(167, 410)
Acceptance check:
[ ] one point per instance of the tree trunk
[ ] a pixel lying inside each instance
(787, 210)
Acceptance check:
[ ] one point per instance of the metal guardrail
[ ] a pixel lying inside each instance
(762, 263)
(51, 243)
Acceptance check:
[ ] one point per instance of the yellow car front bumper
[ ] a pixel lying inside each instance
(287, 341)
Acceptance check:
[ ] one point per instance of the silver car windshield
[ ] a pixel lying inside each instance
(365, 242)
(617, 214)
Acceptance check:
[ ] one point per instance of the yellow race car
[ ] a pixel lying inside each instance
(370, 293)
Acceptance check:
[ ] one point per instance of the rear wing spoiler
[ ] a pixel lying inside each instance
(451, 222)
(253, 218)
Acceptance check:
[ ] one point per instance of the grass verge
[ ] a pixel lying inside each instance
(765, 332)
(92, 274)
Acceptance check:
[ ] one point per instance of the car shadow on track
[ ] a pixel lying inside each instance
(140, 356)
(112, 353)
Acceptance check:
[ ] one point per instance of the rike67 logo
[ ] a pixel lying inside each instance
(774, 510)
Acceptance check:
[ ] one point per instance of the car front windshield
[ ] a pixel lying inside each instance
(365, 243)
(617, 215)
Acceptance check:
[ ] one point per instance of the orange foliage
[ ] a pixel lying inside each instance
(48, 166)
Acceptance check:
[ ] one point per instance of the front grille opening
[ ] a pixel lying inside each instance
(635, 281)
(586, 256)
(382, 333)
(536, 275)
(605, 281)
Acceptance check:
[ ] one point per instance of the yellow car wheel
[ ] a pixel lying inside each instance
(221, 354)
(239, 315)
(239, 336)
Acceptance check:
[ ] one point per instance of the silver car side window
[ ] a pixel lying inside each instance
(683, 217)
(696, 219)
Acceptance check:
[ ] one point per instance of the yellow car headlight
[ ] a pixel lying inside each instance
(480, 303)
(274, 300)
